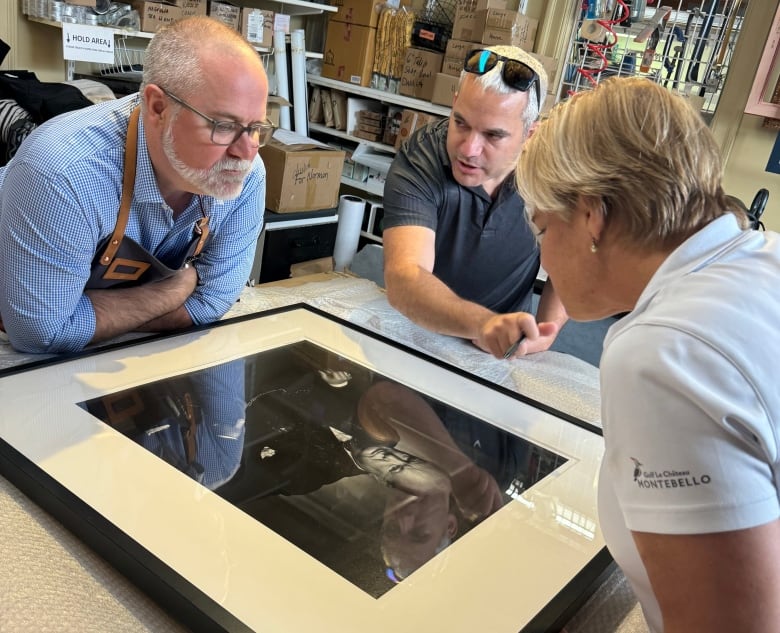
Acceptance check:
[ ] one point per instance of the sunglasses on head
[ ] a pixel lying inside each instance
(515, 73)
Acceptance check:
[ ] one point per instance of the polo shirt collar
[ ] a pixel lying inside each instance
(693, 254)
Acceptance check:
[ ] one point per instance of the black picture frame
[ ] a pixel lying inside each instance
(533, 562)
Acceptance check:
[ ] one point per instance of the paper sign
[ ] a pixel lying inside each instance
(281, 22)
(87, 43)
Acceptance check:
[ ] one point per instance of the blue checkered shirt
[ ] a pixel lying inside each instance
(219, 437)
(59, 196)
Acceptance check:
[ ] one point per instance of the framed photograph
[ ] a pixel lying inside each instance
(289, 471)
(760, 100)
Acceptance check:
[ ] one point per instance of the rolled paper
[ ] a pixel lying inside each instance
(351, 209)
(298, 61)
(282, 85)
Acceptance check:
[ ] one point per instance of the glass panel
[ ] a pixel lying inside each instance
(366, 475)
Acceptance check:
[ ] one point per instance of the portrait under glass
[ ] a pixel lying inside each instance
(366, 475)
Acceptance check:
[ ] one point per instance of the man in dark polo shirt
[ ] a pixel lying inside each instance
(460, 257)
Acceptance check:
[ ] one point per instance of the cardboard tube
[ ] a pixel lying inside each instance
(351, 209)
(282, 85)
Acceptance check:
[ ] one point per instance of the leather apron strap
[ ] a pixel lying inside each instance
(128, 185)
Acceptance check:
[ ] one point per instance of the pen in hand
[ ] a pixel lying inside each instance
(513, 347)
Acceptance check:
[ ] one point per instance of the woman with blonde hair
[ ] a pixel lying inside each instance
(623, 187)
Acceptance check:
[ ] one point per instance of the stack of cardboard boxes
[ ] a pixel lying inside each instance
(350, 41)
(489, 22)
(257, 25)
(481, 23)
(446, 82)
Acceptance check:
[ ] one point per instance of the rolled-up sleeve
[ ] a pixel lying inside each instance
(46, 246)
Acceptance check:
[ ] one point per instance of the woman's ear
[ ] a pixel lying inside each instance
(595, 215)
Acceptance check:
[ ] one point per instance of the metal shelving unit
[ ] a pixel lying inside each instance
(689, 51)
(378, 95)
(373, 154)
(127, 33)
(324, 129)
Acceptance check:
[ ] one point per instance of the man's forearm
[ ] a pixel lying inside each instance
(118, 311)
(177, 319)
(431, 304)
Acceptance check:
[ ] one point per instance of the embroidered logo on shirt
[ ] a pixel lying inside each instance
(670, 478)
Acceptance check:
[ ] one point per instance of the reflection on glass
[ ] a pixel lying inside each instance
(366, 475)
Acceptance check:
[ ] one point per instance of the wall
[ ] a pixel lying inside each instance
(745, 144)
(744, 174)
(34, 46)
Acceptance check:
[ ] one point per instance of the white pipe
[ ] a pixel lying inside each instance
(280, 68)
(298, 57)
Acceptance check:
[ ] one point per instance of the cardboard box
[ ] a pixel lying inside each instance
(501, 26)
(497, 18)
(410, 121)
(458, 49)
(191, 7)
(356, 105)
(349, 53)
(301, 174)
(444, 88)
(495, 26)
(419, 73)
(257, 26)
(392, 125)
(479, 5)
(455, 56)
(452, 67)
(361, 12)
(155, 15)
(465, 25)
(83, 3)
(521, 35)
(550, 65)
(499, 37)
(226, 13)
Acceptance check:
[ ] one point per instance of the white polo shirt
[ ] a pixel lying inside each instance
(690, 398)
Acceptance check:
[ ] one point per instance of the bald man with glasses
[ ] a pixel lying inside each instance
(459, 258)
(143, 213)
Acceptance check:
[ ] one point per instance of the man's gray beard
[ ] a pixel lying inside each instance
(212, 181)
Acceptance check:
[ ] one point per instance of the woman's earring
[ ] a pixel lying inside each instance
(593, 246)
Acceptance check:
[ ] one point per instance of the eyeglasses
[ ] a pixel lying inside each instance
(515, 73)
(228, 132)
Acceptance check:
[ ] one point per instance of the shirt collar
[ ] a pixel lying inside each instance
(693, 254)
(146, 189)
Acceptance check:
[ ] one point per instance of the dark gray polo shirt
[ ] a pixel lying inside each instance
(485, 250)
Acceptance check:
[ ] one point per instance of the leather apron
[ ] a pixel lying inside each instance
(120, 260)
